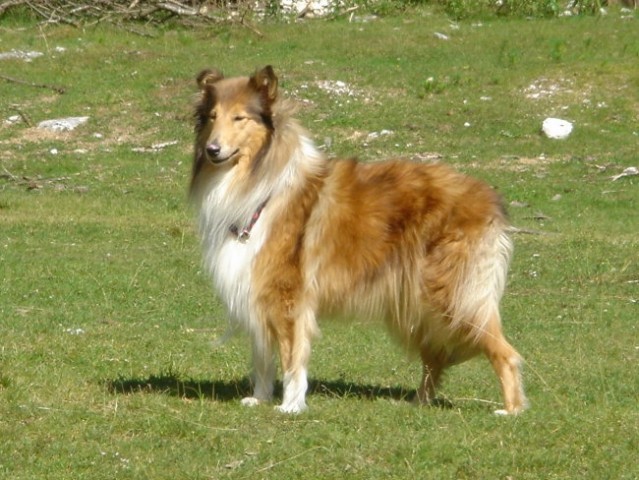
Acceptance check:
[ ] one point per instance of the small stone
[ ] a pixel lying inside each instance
(556, 128)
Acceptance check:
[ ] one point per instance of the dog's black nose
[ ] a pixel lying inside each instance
(213, 149)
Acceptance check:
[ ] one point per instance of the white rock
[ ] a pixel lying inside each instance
(62, 124)
(374, 135)
(556, 128)
(27, 56)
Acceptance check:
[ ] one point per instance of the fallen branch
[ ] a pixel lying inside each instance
(7, 175)
(78, 12)
(55, 88)
(31, 183)
(13, 3)
(178, 8)
(246, 24)
(23, 115)
(82, 13)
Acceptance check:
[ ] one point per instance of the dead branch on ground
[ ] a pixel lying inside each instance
(148, 12)
(55, 88)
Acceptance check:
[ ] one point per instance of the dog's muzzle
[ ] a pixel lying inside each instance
(215, 154)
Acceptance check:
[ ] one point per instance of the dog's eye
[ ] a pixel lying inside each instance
(213, 116)
(239, 118)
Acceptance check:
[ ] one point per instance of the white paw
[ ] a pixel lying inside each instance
(503, 413)
(292, 409)
(250, 401)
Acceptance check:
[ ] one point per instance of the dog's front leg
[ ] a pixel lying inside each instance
(263, 375)
(295, 352)
(295, 386)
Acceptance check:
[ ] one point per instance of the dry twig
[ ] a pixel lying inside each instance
(154, 12)
(55, 88)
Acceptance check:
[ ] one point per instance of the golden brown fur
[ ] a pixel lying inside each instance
(418, 246)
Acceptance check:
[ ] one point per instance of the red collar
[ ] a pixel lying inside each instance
(245, 234)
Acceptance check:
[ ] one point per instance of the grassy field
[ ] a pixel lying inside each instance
(106, 318)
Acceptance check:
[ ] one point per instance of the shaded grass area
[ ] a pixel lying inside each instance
(106, 319)
(235, 390)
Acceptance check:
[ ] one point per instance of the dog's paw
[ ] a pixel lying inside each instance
(508, 413)
(292, 409)
(251, 401)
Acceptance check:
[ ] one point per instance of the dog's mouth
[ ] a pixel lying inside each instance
(218, 159)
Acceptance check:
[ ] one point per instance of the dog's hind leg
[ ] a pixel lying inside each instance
(432, 371)
(264, 369)
(506, 362)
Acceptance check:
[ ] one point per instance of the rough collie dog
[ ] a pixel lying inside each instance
(289, 235)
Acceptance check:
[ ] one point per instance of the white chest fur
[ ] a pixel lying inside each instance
(228, 259)
(231, 267)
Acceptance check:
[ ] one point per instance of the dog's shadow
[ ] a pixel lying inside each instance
(226, 391)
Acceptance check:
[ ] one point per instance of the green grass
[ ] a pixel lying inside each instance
(106, 319)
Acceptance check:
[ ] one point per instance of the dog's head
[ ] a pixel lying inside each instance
(234, 118)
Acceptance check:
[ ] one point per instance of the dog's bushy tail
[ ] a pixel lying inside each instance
(481, 282)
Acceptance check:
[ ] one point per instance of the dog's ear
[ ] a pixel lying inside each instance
(265, 82)
(208, 77)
